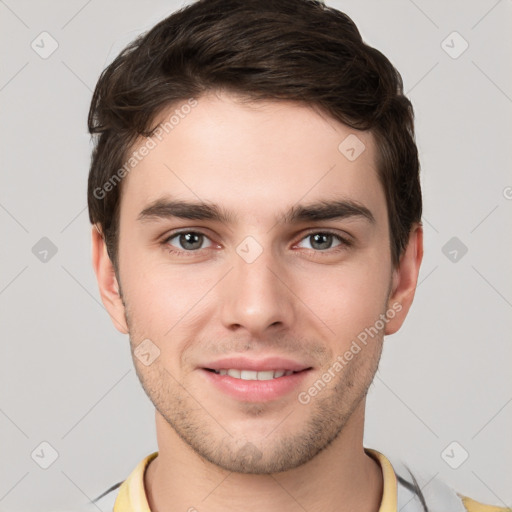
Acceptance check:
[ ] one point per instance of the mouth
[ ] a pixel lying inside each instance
(255, 381)
(235, 373)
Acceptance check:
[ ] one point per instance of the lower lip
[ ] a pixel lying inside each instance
(256, 390)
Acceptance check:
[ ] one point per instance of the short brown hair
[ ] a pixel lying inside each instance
(298, 50)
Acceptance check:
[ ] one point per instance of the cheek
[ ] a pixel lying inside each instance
(347, 299)
(150, 297)
(167, 304)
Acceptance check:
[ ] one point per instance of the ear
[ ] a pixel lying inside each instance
(107, 282)
(405, 278)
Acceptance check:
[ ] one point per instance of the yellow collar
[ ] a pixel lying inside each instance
(132, 494)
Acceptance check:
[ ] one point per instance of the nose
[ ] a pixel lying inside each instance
(257, 297)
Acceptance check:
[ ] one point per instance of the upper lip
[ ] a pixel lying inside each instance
(259, 365)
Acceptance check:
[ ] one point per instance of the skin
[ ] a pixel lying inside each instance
(298, 299)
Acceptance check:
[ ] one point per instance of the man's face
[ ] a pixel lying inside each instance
(256, 292)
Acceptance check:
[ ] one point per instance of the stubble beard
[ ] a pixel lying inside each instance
(327, 416)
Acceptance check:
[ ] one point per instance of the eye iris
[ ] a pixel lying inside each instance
(191, 240)
(321, 240)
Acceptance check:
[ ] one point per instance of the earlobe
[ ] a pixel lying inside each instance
(405, 278)
(107, 281)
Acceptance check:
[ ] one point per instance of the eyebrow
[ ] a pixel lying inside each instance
(165, 208)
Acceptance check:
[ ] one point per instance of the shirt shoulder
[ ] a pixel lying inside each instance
(105, 501)
(125, 496)
(475, 506)
(419, 490)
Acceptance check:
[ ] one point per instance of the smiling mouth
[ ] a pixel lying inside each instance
(254, 375)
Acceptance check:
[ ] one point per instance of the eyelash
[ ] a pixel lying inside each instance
(344, 243)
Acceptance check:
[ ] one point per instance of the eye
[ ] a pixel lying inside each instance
(188, 241)
(183, 242)
(323, 240)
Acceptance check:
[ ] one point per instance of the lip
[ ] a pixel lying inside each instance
(245, 363)
(255, 390)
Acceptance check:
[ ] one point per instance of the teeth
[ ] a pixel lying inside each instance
(254, 375)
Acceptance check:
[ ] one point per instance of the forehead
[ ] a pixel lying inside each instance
(252, 158)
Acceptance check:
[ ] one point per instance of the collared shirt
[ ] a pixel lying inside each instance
(398, 492)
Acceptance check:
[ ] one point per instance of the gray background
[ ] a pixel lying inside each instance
(67, 378)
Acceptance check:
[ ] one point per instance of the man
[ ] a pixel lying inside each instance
(256, 211)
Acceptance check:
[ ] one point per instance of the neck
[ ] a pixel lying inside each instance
(341, 478)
